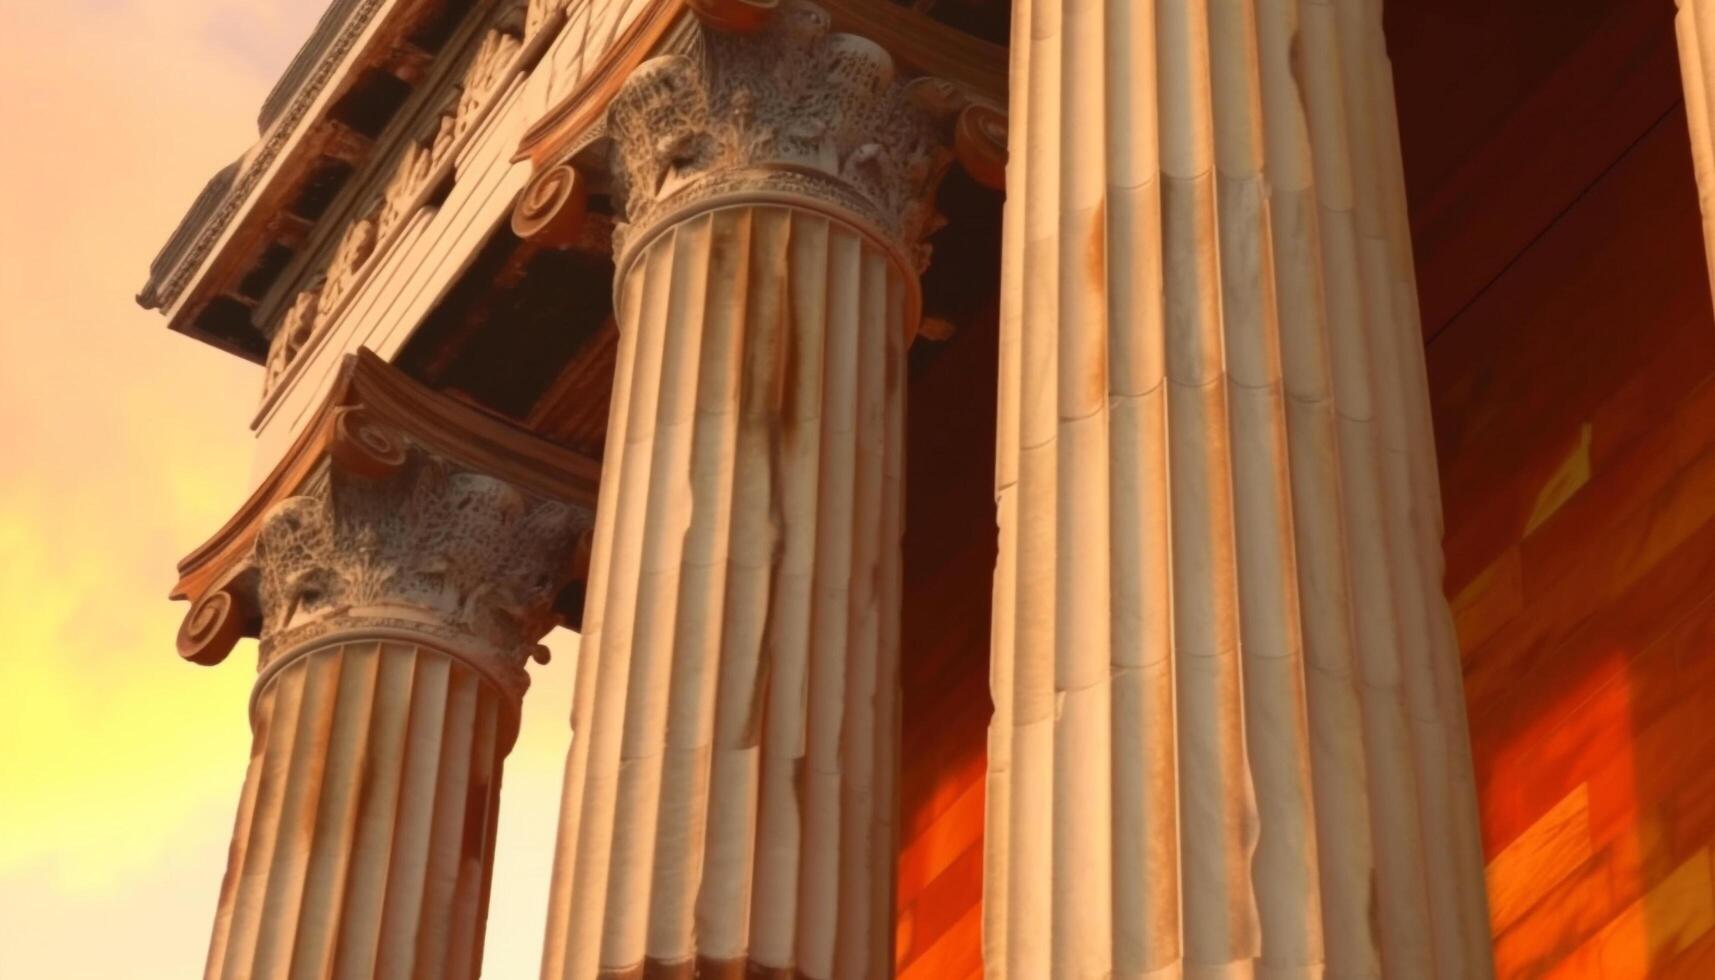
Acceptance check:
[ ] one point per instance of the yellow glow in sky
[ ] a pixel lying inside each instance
(122, 446)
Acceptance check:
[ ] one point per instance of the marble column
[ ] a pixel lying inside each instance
(730, 791)
(399, 596)
(1695, 25)
(1229, 734)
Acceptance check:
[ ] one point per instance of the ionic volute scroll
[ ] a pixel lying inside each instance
(975, 127)
(553, 205)
(219, 618)
(419, 180)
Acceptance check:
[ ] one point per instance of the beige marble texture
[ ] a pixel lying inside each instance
(729, 792)
(1229, 736)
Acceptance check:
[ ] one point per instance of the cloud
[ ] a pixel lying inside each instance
(122, 446)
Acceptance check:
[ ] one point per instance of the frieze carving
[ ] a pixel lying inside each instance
(400, 199)
(406, 191)
(296, 329)
(396, 536)
(355, 248)
(538, 13)
(790, 109)
(498, 50)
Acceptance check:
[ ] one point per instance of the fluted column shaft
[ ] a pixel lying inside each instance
(365, 831)
(729, 791)
(1229, 735)
(1695, 25)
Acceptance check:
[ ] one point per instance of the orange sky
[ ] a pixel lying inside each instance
(123, 445)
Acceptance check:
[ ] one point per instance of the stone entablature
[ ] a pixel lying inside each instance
(795, 110)
(215, 278)
(800, 107)
(423, 164)
(283, 118)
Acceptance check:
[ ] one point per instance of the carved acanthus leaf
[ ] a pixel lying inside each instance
(498, 51)
(399, 197)
(791, 109)
(411, 537)
(355, 249)
(296, 329)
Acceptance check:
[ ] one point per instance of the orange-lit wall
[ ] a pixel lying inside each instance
(949, 572)
(1574, 387)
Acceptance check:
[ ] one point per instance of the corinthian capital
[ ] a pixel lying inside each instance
(792, 111)
(405, 537)
(398, 512)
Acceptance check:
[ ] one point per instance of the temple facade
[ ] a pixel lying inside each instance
(1046, 488)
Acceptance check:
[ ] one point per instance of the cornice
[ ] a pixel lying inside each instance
(373, 214)
(368, 396)
(163, 291)
(205, 279)
(311, 54)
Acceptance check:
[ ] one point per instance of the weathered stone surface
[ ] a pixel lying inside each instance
(730, 794)
(1229, 733)
(794, 110)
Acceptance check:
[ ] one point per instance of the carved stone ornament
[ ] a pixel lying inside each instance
(396, 539)
(793, 111)
(483, 77)
(552, 206)
(258, 162)
(538, 13)
(979, 140)
(296, 329)
(355, 248)
(406, 191)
